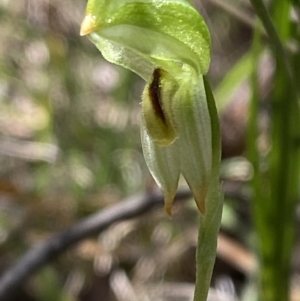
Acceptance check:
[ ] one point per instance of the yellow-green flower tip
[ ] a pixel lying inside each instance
(168, 204)
(168, 209)
(88, 25)
(200, 202)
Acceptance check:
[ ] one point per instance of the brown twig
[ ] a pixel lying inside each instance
(50, 249)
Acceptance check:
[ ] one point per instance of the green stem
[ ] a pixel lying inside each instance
(210, 222)
(284, 169)
(276, 191)
(279, 50)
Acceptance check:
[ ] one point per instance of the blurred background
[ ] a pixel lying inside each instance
(70, 146)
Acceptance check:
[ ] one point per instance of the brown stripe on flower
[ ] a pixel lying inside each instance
(155, 94)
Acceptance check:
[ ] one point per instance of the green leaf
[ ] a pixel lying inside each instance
(232, 81)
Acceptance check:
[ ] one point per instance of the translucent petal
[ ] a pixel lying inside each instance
(164, 165)
(195, 144)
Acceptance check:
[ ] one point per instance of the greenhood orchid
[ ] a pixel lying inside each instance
(176, 130)
(167, 43)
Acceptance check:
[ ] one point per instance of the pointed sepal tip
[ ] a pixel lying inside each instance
(88, 25)
(168, 204)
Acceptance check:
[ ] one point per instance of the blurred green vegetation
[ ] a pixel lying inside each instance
(70, 145)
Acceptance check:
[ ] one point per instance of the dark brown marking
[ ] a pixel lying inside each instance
(155, 94)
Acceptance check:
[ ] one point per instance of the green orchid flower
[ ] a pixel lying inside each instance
(140, 36)
(167, 43)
